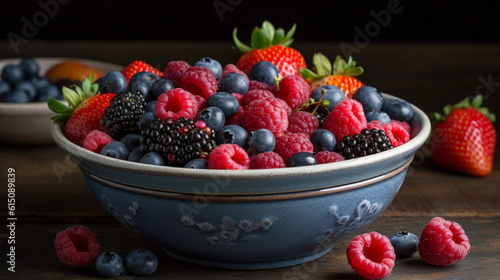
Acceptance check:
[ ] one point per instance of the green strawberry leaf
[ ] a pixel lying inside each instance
(71, 96)
(322, 64)
(279, 36)
(477, 101)
(241, 46)
(268, 29)
(57, 106)
(307, 73)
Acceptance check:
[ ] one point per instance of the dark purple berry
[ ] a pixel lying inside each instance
(404, 243)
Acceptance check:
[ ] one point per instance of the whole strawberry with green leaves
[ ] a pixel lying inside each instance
(86, 107)
(464, 138)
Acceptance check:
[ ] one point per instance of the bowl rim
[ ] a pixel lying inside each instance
(123, 165)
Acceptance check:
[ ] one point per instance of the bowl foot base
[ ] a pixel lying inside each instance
(249, 265)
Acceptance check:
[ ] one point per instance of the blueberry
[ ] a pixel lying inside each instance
(142, 81)
(211, 64)
(234, 83)
(113, 82)
(398, 109)
(109, 264)
(4, 87)
(27, 87)
(160, 86)
(12, 74)
(228, 103)
(232, 134)
(15, 96)
(131, 140)
(369, 97)
(197, 163)
(116, 149)
(261, 141)
(49, 91)
(39, 82)
(380, 116)
(146, 119)
(135, 155)
(213, 117)
(30, 67)
(323, 140)
(150, 106)
(332, 93)
(404, 243)
(141, 262)
(153, 158)
(264, 71)
(301, 159)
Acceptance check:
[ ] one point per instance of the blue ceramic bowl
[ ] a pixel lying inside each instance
(250, 219)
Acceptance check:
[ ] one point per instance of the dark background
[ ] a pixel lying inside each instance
(428, 21)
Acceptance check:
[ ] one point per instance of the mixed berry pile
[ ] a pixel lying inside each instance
(208, 116)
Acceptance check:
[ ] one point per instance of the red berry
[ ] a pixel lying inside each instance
(174, 70)
(293, 89)
(405, 125)
(259, 85)
(265, 113)
(96, 140)
(328, 157)
(199, 81)
(266, 160)
(176, 103)
(255, 94)
(345, 119)
(443, 242)
(77, 246)
(302, 122)
(397, 133)
(292, 143)
(375, 125)
(371, 255)
(231, 68)
(228, 156)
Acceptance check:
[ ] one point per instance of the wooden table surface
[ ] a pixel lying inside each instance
(51, 193)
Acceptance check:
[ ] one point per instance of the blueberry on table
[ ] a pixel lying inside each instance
(234, 83)
(265, 72)
(228, 103)
(331, 93)
(211, 64)
(369, 97)
(109, 264)
(141, 262)
(398, 109)
(380, 116)
(232, 134)
(261, 141)
(116, 149)
(301, 159)
(404, 243)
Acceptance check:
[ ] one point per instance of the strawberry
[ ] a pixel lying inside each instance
(85, 110)
(139, 66)
(273, 45)
(340, 74)
(464, 139)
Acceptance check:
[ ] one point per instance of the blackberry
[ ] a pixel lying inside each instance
(365, 143)
(123, 114)
(177, 141)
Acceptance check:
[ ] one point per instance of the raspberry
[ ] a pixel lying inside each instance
(231, 68)
(292, 143)
(302, 122)
(371, 255)
(255, 94)
(228, 156)
(265, 113)
(266, 160)
(443, 242)
(238, 96)
(328, 157)
(346, 119)
(405, 125)
(375, 125)
(200, 81)
(252, 84)
(174, 70)
(77, 246)
(397, 133)
(96, 140)
(176, 103)
(293, 89)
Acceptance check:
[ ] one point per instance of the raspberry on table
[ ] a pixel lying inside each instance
(77, 246)
(96, 140)
(266, 160)
(371, 255)
(443, 242)
(328, 157)
(176, 103)
(174, 70)
(302, 122)
(200, 81)
(397, 133)
(293, 89)
(292, 143)
(228, 156)
(265, 113)
(346, 119)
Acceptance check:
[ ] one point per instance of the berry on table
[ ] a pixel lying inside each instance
(77, 246)
(405, 243)
(176, 103)
(109, 264)
(443, 242)
(229, 156)
(266, 160)
(123, 113)
(371, 255)
(141, 262)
